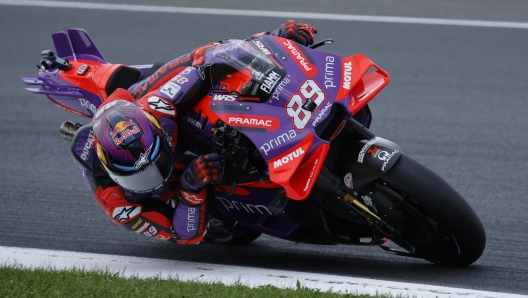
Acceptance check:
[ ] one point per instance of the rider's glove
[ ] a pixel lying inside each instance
(298, 32)
(201, 171)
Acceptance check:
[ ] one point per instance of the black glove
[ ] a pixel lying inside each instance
(300, 33)
(201, 171)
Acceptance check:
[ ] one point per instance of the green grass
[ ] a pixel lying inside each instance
(39, 282)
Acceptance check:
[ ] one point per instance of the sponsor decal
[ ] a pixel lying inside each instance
(105, 107)
(87, 146)
(279, 140)
(121, 127)
(194, 122)
(224, 56)
(160, 105)
(311, 175)
(193, 223)
(270, 81)
(386, 157)
(309, 90)
(228, 47)
(269, 123)
(225, 97)
(348, 180)
(82, 70)
(248, 208)
(219, 87)
(299, 58)
(143, 227)
(138, 222)
(367, 200)
(374, 151)
(322, 113)
(347, 75)
(88, 105)
(170, 90)
(151, 231)
(280, 87)
(191, 198)
(329, 72)
(143, 159)
(364, 150)
(287, 158)
(125, 213)
(261, 47)
(201, 69)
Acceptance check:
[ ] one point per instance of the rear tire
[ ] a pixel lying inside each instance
(433, 217)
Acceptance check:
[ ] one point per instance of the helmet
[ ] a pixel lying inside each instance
(133, 148)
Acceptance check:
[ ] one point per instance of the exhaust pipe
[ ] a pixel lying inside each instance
(68, 130)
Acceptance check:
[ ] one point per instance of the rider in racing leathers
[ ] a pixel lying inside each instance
(148, 177)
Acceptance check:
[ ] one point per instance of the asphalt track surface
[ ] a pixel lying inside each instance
(457, 102)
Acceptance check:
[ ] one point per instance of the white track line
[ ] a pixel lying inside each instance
(265, 13)
(252, 277)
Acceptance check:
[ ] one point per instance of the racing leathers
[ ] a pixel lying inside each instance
(180, 214)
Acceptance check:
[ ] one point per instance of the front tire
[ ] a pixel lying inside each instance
(430, 214)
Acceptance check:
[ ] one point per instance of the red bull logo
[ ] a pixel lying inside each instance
(122, 127)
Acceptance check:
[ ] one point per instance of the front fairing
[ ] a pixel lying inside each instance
(273, 117)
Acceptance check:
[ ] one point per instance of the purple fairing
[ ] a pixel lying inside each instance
(252, 211)
(83, 146)
(186, 220)
(287, 86)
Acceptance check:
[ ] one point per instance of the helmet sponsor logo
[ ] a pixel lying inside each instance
(122, 127)
(143, 159)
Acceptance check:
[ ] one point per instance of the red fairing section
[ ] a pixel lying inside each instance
(161, 76)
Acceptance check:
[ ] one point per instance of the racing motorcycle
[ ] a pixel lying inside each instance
(299, 162)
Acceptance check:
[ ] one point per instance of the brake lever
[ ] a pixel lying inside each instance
(322, 43)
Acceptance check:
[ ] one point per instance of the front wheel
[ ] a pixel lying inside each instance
(429, 217)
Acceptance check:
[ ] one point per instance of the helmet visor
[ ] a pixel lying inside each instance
(152, 177)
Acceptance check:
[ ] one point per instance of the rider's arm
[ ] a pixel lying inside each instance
(150, 217)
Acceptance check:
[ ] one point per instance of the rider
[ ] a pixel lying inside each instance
(148, 176)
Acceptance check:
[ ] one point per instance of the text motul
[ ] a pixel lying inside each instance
(286, 159)
(347, 75)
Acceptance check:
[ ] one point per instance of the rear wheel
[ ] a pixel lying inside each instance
(430, 218)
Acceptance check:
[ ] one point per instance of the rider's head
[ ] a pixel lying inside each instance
(133, 148)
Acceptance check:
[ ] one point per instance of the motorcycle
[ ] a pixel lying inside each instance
(299, 162)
